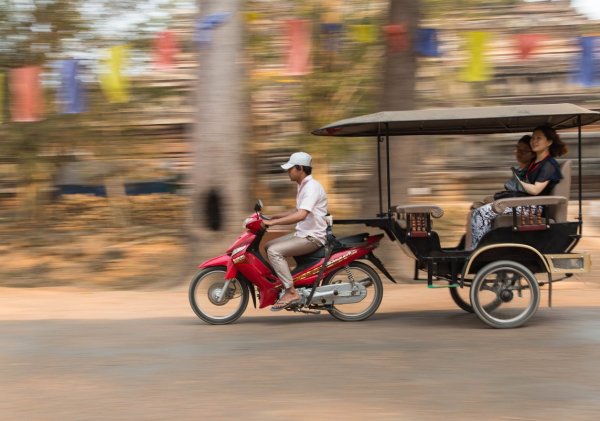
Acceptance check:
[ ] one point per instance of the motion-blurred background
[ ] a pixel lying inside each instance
(135, 135)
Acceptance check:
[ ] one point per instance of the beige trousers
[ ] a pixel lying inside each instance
(288, 246)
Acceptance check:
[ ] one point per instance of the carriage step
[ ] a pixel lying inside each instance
(444, 286)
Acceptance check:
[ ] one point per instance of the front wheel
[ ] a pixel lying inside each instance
(365, 275)
(215, 301)
(505, 294)
(457, 296)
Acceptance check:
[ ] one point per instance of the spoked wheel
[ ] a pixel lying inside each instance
(461, 297)
(505, 294)
(211, 302)
(364, 274)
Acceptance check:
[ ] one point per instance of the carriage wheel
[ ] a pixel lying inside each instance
(461, 297)
(505, 294)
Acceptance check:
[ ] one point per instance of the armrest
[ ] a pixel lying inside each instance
(433, 210)
(500, 205)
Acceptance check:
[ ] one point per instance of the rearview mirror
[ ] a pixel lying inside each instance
(258, 206)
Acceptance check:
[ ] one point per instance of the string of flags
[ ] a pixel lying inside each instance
(21, 92)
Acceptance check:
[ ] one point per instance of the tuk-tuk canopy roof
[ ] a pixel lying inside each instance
(472, 120)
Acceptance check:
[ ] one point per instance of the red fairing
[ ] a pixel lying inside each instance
(216, 261)
(244, 239)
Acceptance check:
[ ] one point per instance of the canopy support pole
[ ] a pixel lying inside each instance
(379, 140)
(579, 176)
(387, 156)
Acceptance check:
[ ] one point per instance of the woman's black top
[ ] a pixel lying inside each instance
(547, 169)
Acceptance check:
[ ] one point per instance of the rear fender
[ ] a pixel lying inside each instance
(379, 265)
(520, 253)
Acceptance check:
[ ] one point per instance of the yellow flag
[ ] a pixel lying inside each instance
(2, 78)
(363, 33)
(114, 84)
(478, 68)
(252, 16)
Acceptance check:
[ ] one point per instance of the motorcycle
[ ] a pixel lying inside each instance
(332, 278)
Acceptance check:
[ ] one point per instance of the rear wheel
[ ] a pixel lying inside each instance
(365, 275)
(505, 294)
(461, 297)
(214, 304)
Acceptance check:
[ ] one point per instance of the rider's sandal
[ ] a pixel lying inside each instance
(278, 306)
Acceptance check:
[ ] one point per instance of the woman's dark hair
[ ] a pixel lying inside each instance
(307, 170)
(557, 148)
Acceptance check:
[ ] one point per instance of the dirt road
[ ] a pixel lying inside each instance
(80, 354)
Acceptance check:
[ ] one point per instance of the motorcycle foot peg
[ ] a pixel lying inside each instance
(304, 310)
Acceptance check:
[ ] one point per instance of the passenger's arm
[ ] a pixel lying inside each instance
(534, 189)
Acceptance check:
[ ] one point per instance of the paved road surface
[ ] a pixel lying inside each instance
(69, 354)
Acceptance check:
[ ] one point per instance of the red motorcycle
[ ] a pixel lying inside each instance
(331, 278)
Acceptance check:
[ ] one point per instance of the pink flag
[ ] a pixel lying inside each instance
(299, 40)
(26, 94)
(527, 43)
(165, 49)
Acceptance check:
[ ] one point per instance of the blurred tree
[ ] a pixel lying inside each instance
(30, 30)
(220, 174)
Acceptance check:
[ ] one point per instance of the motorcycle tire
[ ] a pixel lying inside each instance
(204, 293)
(370, 279)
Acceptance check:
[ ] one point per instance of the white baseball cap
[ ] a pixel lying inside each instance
(298, 158)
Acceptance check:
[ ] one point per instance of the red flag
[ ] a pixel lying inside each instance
(165, 49)
(397, 37)
(299, 44)
(527, 43)
(26, 94)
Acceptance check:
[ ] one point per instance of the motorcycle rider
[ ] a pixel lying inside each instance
(311, 225)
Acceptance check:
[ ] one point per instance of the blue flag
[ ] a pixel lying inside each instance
(71, 94)
(205, 25)
(588, 68)
(427, 42)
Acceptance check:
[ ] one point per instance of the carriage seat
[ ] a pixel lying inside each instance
(556, 203)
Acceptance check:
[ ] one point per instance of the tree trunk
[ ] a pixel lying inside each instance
(398, 93)
(220, 174)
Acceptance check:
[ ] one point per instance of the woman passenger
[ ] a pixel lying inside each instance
(540, 177)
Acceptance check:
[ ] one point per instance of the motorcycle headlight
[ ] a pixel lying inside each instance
(238, 250)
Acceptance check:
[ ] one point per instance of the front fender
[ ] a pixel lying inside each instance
(223, 260)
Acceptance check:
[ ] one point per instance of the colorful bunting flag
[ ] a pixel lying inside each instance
(252, 16)
(2, 81)
(331, 36)
(364, 33)
(478, 68)
(397, 37)
(588, 69)
(527, 44)
(165, 49)
(71, 95)
(205, 26)
(26, 94)
(299, 46)
(427, 42)
(113, 82)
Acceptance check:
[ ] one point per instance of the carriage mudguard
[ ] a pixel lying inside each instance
(223, 260)
(514, 251)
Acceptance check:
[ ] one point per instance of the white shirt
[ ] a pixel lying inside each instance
(312, 197)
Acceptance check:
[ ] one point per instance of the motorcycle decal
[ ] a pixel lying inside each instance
(330, 263)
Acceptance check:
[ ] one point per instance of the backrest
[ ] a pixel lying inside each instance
(559, 212)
